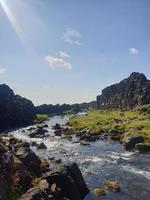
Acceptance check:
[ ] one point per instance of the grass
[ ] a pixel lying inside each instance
(42, 117)
(127, 123)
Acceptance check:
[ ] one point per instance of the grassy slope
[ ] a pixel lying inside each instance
(128, 123)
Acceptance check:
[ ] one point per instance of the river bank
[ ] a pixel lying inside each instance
(129, 127)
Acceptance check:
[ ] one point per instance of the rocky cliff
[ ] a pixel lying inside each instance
(135, 90)
(14, 110)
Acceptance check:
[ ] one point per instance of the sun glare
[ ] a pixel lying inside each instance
(12, 19)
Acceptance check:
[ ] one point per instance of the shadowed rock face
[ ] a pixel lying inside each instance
(135, 90)
(6, 167)
(14, 110)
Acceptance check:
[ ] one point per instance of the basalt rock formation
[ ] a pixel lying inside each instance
(14, 110)
(130, 92)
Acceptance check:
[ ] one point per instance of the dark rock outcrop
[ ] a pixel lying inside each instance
(6, 168)
(29, 159)
(14, 110)
(135, 90)
(69, 183)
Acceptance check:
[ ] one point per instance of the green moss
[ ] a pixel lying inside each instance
(128, 123)
(42, 117)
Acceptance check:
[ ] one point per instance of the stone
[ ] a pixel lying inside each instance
(41, 146)
(58, 132)
(142, 147)
(99, 192)
(29, 159)
(69, 183)
(112, 185)
(132, 141)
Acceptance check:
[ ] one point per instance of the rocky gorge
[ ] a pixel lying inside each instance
(88, 155)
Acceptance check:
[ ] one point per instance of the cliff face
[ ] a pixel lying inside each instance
(135, 90)
(14, 110)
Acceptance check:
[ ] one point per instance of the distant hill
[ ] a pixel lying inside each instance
(64, 108)
(14, 110)
(135, 90)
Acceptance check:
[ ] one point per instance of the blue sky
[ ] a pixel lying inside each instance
(54, 51)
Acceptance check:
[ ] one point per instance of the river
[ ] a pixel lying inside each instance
(98, 162)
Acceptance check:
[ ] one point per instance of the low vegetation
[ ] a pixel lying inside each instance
(41, 117)
(126, 123)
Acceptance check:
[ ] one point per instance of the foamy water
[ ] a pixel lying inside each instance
(99, 162)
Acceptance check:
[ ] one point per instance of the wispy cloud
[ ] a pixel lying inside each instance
(63, 54)
(2, 71)
(134, 51)
(71, 36)
(57, 62)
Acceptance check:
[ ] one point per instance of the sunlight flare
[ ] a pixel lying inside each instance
(12, 19)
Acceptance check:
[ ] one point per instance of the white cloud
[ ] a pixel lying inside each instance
(63, 54)
(57, 62)
(2, 71)
(71, 36)
(133, 51)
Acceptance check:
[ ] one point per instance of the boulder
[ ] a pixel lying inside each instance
(99, 192)
(57, 126)
(38, 132)
(41, 146)
(29, 159)
(69, 183)
(112, 185)
(22, 178)
(142, 147)
(58, 132)
(132, 141)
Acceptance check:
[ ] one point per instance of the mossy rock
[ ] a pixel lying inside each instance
(99, 192)
(112, 185)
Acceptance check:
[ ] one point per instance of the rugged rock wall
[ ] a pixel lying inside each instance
(135, 90)
(14, 110)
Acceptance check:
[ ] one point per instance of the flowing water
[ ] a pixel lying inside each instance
(98, 162)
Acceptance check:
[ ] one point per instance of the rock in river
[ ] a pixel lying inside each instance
(132, 141)
(143, 147)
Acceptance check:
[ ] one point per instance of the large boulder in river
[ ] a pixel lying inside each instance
(29, 159)
(38, 133)
(69, 183)
(6, 168)
(14, 110)
(132, 141)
